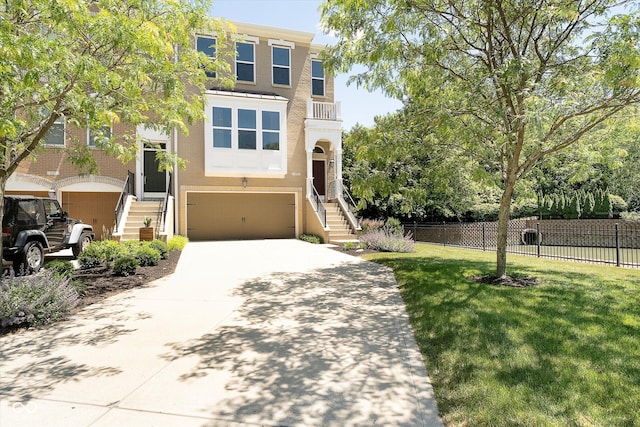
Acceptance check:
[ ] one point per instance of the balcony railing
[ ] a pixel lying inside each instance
(323, 110)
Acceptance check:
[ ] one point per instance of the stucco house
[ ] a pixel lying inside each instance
(265, 163)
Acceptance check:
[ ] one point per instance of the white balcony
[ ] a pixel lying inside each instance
(323, 110)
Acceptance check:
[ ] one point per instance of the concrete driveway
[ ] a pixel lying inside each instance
(271, 332)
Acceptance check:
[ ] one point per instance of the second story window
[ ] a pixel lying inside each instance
(222, 127)
(247, 134)
(270, 130)
(317, 78)
(281, 59)
(105, 132)
(55, 136)
(245, 62)
(207, 45)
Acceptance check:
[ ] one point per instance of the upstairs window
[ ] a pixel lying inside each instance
(105, 132)
(55, 136)
(317, 78)
(270, 130)
(222, 127)
(245, 62)
(281, 58)
(207, 45)
(247, 134)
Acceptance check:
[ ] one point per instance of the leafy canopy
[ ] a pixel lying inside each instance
(95, 64)
(516, 80)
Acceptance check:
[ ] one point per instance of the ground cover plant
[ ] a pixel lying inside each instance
(106, 268)
(563, 352)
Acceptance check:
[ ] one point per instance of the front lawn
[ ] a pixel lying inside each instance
(565, 352)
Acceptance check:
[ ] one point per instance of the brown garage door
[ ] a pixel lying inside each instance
(232, 216)
(92, 208)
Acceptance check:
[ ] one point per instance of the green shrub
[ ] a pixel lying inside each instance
(60, 266)
(393, 225)
(125, 265)
(146, 255)
(161, 247)
(369, 225)
(630, 216)
(349, 246)
(388, 241)
(130, 246)
(35, 300)
(311, 238)
(617, 203)
(97, 253)
(177, 243)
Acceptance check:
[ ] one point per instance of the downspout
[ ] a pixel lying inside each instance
(176, 212)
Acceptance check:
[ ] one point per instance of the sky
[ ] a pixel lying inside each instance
(358, 105)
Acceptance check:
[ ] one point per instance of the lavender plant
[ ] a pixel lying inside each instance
(35, 300)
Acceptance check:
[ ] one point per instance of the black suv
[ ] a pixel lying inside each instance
(32, 226)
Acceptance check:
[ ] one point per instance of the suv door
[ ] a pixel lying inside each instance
(56, 225)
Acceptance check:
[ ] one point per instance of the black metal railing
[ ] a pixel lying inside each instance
(605, 241)
(351, 207)
(128, 188)
(165, 206)
(318, 206)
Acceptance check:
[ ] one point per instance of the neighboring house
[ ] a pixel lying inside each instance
(265, 163)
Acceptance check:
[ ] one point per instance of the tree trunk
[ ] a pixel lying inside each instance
(503, 228)
(3, 182)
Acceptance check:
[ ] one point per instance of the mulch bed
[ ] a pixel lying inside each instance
(100, 283)
(510, 281)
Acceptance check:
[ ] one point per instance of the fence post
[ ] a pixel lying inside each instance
(415, 231)
(617, 246)
(444, 233)
(538, 239)
(484, 248)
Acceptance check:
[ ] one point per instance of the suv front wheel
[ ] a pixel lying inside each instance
(31, 260)
(84, 241)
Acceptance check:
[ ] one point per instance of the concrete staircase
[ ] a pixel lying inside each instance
(137, 213)
(339, 229)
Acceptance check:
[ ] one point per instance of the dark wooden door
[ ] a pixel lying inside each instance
(319, 177)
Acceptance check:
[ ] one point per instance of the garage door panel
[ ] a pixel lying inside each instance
(94, 208)
(230, 216)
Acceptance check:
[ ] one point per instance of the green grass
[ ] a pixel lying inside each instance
(563, 353)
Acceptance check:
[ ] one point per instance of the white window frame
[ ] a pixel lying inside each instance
(249, 40)
(236, 162)
(89, 144)
(59, 121)
(226, 128)
(211, 75)
(322, 79)
(281, 44)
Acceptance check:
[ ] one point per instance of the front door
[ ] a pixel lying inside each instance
(154, 181)
(320, 177)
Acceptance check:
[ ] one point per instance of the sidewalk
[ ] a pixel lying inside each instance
(271, 332)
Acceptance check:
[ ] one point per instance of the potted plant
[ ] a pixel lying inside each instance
(146, 232)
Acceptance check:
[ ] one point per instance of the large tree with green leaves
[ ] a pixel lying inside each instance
(96, 63)
(520, 79)
(402, 168)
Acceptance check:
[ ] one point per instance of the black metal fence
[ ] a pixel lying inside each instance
(613, 242)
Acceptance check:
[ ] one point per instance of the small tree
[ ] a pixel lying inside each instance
(96, 63)
(517, 80)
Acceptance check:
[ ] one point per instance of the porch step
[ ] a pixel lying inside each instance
(339, 229)
(139, 210)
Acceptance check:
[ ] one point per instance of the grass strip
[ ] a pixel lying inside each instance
(565, 352)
